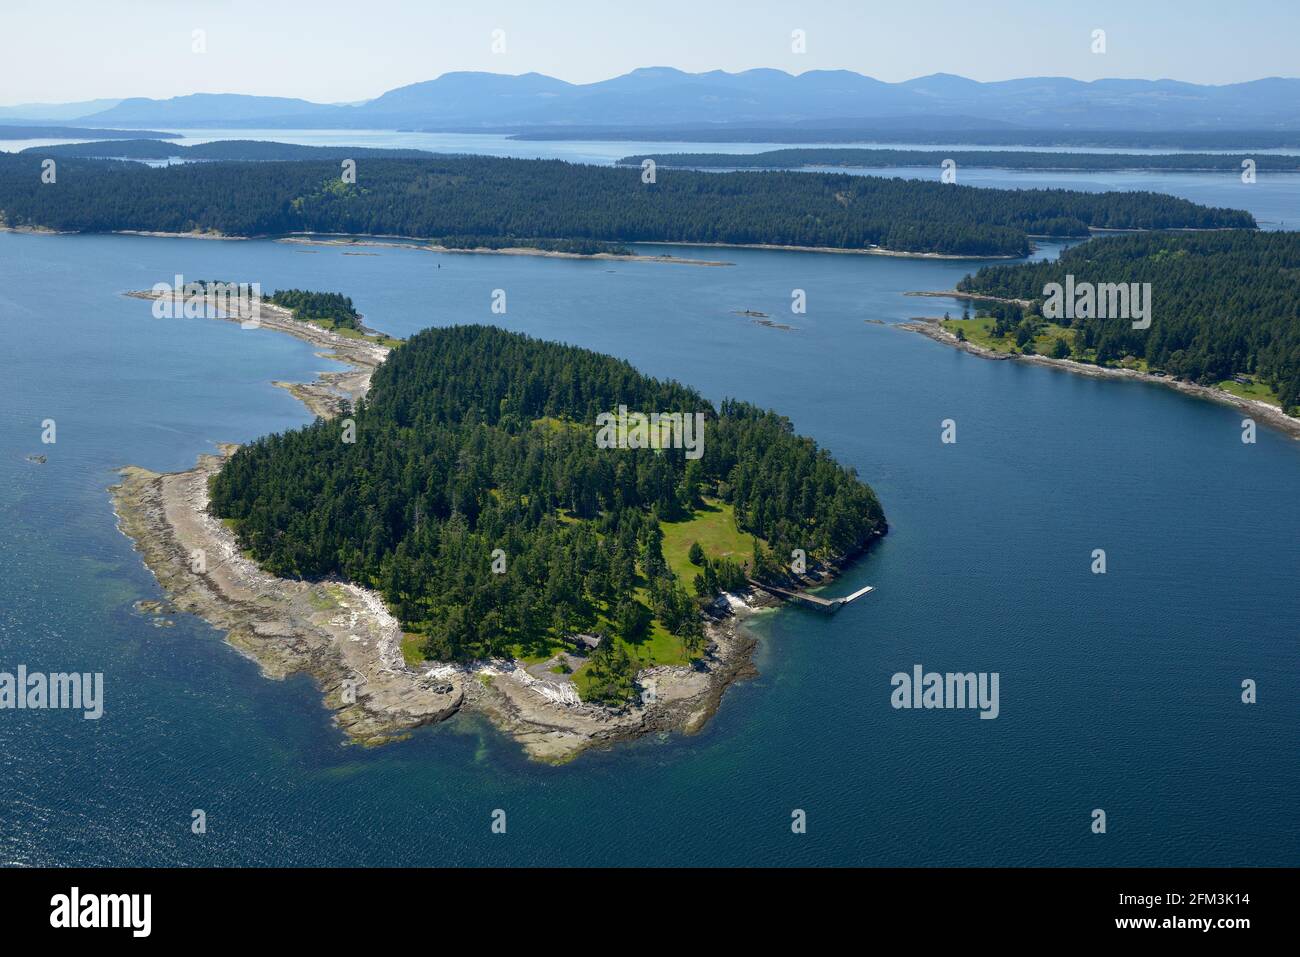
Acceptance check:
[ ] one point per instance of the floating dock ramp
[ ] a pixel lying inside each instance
(828, 605)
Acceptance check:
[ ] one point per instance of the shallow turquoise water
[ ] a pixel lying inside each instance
(1118, 691)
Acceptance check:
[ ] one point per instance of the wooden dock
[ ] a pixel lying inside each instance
(817, 603)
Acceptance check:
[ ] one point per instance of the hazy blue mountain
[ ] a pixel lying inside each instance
(54, 111)
(663, 97)
(494, 95)
(208, 109)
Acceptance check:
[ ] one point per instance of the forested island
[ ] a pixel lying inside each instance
(1225, 310)
(473, 440)
(804, 133)
(16, 132)
(268, 151)
(994, 159)
(234, 150)
(330, 309)
(519, 202)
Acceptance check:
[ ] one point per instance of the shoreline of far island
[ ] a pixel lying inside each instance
(380, 241)
(346, 240)
(932, 328)
(343, 636)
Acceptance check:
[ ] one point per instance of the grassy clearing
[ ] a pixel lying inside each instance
(1255, 390)
(658, 647)
(582, 680)
(979, 331)
(550, 423)
(331, 326)
(535, 654)
(411, 645)
(714, 527)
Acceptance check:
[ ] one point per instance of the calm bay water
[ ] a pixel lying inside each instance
(1118, 692)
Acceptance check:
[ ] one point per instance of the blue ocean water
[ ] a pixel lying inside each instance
(1119, 692)
(573, 150)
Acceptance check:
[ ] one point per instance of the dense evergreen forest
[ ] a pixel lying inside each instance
(331, 308)
(821, 133)
(474, 439)
(581, 247)
(1000, 159)
(549, 199)
(1223, 303)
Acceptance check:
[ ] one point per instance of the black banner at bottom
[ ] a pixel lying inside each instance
(338, 907)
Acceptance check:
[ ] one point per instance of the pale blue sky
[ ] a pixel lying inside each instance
(345, 50)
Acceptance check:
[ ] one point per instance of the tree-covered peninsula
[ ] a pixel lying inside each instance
(532, 201)
(330, 309)
(1225, 308)
(476, 494)
(806, 157)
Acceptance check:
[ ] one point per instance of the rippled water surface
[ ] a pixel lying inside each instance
(1118, 692)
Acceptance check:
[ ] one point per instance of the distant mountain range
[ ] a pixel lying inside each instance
(54, 111)
(662, 97)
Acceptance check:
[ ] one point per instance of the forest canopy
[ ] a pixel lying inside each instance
(331, 308)
(514, 199)
(937, 135)
(474, 439)
(999, 159)
(1223, 303)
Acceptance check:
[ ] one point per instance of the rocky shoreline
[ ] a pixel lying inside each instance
(841, 250)
(347, 240)
(968, 296)
(1262, 411)
(327, 393)
(343, 636)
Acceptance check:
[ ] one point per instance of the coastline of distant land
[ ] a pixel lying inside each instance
(810, 134)
(477, 201)
(16, 132)
(825, 160)
(932, 328)
(407, 242)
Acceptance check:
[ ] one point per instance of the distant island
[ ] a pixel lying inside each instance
(521, 202)
(232, 150)
(994, 159)
(547, 560)
(1224, 314)
(802, 158)
(13, 131)
(939, 132)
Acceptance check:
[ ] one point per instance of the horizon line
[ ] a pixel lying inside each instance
(685, 73)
